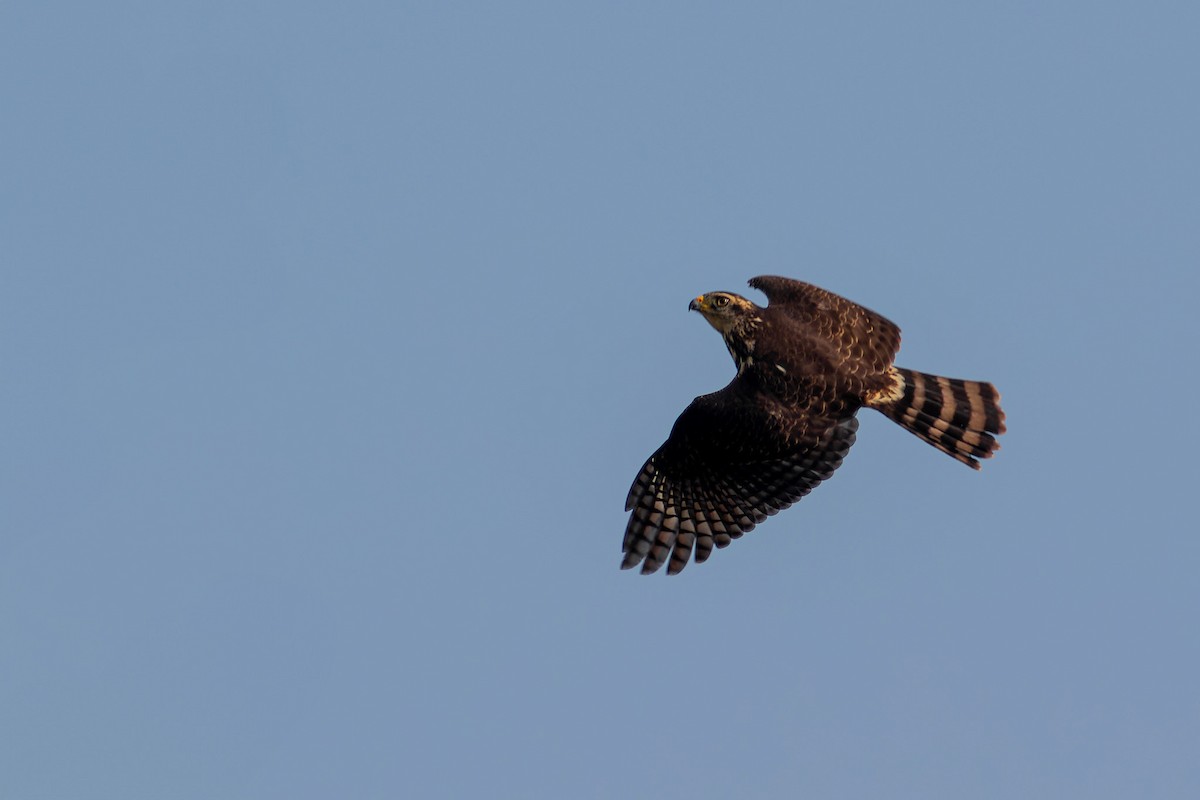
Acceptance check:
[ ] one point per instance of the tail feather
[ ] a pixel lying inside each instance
(957, 417)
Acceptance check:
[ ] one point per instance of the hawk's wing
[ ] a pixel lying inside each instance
(860, 334)
(727, 465)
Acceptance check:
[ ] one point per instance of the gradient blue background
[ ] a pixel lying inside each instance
(333, 334)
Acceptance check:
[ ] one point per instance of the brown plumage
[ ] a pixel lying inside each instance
(805, 365)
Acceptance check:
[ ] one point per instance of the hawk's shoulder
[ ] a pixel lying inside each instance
(856, 331)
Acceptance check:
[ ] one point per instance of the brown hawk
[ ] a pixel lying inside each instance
(805, 365)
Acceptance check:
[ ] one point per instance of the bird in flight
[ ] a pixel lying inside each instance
(806, 363)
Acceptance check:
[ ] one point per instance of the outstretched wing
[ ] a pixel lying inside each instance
(860, 335)
(727, 466)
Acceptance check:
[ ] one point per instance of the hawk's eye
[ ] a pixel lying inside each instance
(720, 301)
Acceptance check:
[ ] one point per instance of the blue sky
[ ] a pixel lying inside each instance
(333, 335)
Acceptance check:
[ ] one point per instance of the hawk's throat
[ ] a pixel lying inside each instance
(740, 347)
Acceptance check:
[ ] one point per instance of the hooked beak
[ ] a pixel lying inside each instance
(697, 304)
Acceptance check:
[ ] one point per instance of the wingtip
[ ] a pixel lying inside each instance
(649, 567)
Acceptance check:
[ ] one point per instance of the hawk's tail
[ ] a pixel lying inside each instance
(957, 417)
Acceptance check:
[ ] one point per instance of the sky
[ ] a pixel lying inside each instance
(333, 335)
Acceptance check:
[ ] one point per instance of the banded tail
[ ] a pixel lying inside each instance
(957, 417)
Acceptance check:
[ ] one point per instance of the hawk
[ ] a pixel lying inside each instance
(805, 365)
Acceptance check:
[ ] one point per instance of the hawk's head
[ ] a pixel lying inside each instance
(736, 318)
(725, 311)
